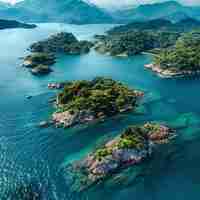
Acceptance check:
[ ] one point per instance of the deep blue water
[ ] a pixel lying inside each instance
(30, 154)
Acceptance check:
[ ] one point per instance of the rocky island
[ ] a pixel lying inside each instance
(6, 24)
(131, 147)
(82, 102)
(182, 60)
(44, 52)
(39, 63)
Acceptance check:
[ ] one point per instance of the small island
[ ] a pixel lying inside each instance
(7, 24)
(131, 147)
(39, 63)
(82, 102)
(62, 43)
(182, 60)
(44, 52)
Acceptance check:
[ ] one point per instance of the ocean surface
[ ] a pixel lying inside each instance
(30, 155)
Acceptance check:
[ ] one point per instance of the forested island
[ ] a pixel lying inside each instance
(134, 145)
(82, 102)
(138, 37)
(134, 42)
(180, 60)
(7, 24)
(44, 52)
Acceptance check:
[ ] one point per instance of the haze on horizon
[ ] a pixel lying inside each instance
(112, 3)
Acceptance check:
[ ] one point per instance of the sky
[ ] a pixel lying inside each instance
(107, 3)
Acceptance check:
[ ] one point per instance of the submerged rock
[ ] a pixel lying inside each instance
(29, 96)
(44, 124)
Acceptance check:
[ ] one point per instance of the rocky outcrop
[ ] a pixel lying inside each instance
(39, 63)
(134, 145)
(171, 72)
(68, 119)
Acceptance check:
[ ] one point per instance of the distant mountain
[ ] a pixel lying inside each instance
(69, 11)
(82, 12)
(187, 24)
(5, 24)
(170, 10)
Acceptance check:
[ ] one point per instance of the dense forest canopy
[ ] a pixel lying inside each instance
(184, 56)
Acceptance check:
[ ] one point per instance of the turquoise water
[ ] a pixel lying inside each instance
(30, 154)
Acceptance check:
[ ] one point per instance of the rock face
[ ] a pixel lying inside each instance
(135, 144)
(5, 24)
(83, 101)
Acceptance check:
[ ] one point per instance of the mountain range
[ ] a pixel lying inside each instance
(69, 11)
(170, 10)
(82, 12)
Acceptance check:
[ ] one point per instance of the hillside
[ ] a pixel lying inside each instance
(170, 10)
(186, 24)
(69, 11)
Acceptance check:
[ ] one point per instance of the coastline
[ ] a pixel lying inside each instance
(167, 74)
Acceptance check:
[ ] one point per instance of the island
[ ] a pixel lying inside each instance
(129, 43)
(135, 144)
(138, 37)
(7, 24)
(39, 63)
(182, 60)
(43, 53)
(82, 102)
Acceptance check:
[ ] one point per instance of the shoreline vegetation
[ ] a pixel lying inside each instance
(43, 53)
(182, 60)
(174, 47)
(137, 37)
(125, 44)
(131, 147)
(83, 102)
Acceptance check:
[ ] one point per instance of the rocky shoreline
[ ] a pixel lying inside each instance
(130, 148)
(39, 63)
(83, 102)
(170, 73)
